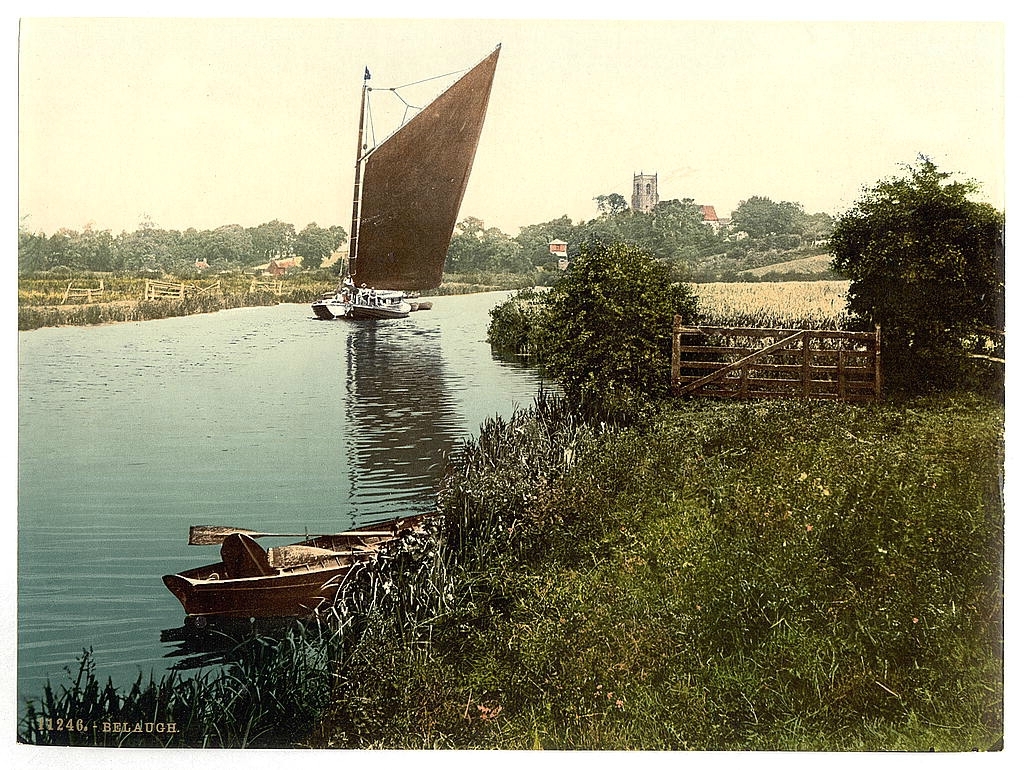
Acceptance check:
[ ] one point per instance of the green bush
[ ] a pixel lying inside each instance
(516, 321)
(603, 331)
(927, 264)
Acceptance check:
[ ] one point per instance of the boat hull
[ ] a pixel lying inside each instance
(362, 308)
(330, 309)
(295, 590)
(361, 312)
(293, 594)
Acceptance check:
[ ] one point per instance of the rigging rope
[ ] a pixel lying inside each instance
(369, 113)
(427, 80)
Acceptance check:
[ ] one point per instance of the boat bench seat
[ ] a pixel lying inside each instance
(290, 555)
(244, 558)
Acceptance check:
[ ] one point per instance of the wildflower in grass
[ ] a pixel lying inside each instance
(488, 713)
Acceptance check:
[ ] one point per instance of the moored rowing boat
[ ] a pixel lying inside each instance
(286, 581)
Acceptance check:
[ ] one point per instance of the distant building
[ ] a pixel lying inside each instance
(202, 264)
(645, 192)
(282, 266)
(560, 249)
(710, 218)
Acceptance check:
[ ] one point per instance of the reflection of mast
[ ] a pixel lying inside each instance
(400, 420)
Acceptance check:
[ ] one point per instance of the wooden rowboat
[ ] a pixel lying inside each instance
(286, 581)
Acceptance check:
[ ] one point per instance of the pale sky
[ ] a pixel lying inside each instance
(203, 122)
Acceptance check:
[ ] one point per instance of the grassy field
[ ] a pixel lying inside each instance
(814, 265)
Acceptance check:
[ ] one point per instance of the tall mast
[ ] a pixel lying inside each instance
(353, 248)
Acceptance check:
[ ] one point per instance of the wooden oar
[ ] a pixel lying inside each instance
(211, 535)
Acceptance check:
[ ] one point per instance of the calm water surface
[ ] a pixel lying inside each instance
(261, 418)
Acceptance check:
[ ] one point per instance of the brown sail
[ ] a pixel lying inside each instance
(413, 184)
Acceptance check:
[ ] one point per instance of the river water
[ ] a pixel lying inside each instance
(261, 418)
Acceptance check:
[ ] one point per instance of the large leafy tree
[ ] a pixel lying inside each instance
(759, 217)
(612, 204)
(32, 251)
(606, 330)
(227, 245)
(314, 244)
(272, 239)
(926, 263)
(476, 247)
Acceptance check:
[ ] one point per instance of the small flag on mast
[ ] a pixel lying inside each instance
(366, 75)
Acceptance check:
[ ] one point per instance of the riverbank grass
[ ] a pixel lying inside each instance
(728, 577)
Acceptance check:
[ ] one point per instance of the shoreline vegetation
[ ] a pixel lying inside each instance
(718, 576)
(39, 298)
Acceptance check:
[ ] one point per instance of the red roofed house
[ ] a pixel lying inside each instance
(282, 266)
(710, 218)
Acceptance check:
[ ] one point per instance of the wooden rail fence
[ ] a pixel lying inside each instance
(82, 292)
(728, 362)
(169, 290)
(274, 287)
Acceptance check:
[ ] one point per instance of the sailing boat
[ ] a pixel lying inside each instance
(406, 199)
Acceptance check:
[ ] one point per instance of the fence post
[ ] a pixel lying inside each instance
(842, 374)
(878, 362)
(677, 326)
(805, 374)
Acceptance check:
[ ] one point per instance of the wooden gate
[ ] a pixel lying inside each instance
(164, 290)
(727, 362)
(87, 293)
(168, 290)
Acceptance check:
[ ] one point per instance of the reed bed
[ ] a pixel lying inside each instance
(479, 281)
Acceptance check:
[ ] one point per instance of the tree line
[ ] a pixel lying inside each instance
(175, 251)
(674, 232)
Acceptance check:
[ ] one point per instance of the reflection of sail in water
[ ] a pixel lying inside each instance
(400, 421)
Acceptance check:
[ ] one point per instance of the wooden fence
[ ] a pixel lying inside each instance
(727, 362)
(87, 293)
(169, 290)
(274, 287)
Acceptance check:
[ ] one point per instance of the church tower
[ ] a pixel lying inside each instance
(645, 192)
